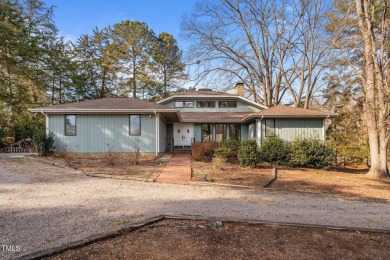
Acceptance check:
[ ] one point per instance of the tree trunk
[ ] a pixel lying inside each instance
(375, 125)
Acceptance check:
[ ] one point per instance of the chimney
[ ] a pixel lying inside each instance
(239, 89)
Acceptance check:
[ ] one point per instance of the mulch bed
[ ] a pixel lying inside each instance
(193, 239)
(115, 165)
(230, 173)
(350, 182)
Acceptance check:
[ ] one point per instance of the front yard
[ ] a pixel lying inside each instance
(349, 182)
(125, 166)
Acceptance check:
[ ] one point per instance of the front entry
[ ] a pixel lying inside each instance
(183, 134)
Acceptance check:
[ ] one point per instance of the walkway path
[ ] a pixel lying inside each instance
(177, 170)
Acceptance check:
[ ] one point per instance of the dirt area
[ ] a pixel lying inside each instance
(350, 182)
(120, 165)
(183, 239)
(230, 173)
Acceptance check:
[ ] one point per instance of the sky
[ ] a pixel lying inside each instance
(76, 17)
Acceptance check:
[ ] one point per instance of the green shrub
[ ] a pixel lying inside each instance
(247, 153)
(202, 151)
(311, 153)
(233, 146)
(274, 150)
(44, 144)
(223, 152)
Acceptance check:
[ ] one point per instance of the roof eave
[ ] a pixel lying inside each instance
(98, 111)
(288, 116)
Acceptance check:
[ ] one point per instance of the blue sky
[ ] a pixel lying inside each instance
(75, 17)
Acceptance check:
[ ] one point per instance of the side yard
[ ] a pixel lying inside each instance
(349, 182)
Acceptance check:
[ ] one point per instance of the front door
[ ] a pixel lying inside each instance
(183, 134)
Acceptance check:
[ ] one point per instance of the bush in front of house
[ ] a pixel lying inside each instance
(247, 153)
(223, 152)
(233, 145)
(310, 153)
(274, 150)
(44, 144)
(203, 151)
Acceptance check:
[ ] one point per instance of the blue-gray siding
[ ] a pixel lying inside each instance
(102, 133)
(289, 129)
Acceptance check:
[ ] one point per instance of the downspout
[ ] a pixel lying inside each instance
(261, 129)
(157, 132)
(46, 122)
(323, 129)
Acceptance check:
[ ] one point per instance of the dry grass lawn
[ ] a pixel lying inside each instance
(351, 182)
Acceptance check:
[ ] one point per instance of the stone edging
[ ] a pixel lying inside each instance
(91, 239)
(54, 164)
(131, 227)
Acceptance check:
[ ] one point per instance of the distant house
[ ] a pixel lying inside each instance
(125, 124)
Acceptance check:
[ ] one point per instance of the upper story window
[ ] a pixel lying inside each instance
(227, 103)
(70, 125)
(205, 103)
(184, 104)
(135, 125)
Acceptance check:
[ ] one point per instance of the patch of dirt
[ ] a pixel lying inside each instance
(184, 239)
(124, 165)
(351, 182)
(230, 174)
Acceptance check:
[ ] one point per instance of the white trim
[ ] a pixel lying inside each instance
(47, 125)
(157, 133)
(323, 130)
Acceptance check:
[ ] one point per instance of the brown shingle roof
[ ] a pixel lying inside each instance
(107, 103)
(287, 111)
(213, 117)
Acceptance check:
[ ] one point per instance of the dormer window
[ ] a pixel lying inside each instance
(227, 103)
(184, 104)
(205, 103)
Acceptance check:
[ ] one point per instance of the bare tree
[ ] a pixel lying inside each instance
(310, 55)
(269, 45)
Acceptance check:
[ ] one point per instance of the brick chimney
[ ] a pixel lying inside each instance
(239, 89)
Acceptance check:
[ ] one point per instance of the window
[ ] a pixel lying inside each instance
(205, 103)
(70, 125)
(207, 135)
(184, 104)
(220, 132)
(227, 103)
(135, 125)
(269, 127)
(235, 131)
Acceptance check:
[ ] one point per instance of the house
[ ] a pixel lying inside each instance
(127, 124)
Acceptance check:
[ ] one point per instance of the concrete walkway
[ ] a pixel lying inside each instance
(177, 170)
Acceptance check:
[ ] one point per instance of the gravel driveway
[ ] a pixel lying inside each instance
(42, 206)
